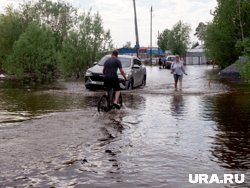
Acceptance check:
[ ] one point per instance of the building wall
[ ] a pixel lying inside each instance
(196, 57)
(196, 60)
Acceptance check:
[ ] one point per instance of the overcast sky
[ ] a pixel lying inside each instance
(118, 16)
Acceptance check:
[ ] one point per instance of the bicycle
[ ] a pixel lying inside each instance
(105, 103)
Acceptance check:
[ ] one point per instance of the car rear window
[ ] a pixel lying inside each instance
(126, 62)
(171, 59)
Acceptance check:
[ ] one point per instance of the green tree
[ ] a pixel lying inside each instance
(200, 31)
(44, 36)
(163, 40)
(85, 45)
(224, 37)
(59, 16)
(127, 45)
(221, 35)
(34, 54)
(244, 68)
(244, 25)
(244, 43)
(179, 38)
(71, 57)
(11, 27)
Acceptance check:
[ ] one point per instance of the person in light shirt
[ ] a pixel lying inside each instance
(177, 69)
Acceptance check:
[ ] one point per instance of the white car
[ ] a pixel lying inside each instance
(132, 66)
(169, 60)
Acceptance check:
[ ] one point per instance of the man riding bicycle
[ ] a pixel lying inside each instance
(111, 79)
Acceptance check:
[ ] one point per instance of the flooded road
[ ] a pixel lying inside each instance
(56, 138)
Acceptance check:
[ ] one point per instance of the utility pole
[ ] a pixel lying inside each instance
(151, 10)
(137, 46)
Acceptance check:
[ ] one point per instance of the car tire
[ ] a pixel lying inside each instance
(143, 81)
(131, 84)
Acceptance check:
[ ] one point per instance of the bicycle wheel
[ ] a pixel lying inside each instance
(103, 104)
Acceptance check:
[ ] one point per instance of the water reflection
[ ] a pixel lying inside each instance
(21, 104)
(177, 104)
(231, 145)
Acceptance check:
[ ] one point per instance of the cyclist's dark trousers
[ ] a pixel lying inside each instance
(111, 82)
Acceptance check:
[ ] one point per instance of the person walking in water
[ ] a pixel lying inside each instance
(178, 70)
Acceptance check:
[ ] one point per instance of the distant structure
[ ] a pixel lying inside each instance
(148, 55)
(127, 51)
(144, 52)
(196, 56)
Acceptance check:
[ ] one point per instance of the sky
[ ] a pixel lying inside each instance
(118, 16)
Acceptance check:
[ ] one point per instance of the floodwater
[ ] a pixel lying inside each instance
(55, 137)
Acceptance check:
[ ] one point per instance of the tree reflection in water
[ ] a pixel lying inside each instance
(231, 146)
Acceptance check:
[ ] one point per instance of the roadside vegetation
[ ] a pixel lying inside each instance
(45, 40)
(176, 40)
(227, 37)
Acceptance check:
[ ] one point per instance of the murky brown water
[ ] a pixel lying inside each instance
(56, 138)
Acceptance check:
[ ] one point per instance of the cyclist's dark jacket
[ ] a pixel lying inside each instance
(110, 73)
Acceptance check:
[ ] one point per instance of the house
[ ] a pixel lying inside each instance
(196, 56)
